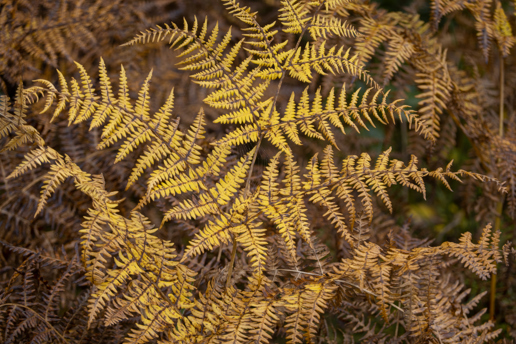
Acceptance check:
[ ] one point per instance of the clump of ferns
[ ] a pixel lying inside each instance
(136, 273)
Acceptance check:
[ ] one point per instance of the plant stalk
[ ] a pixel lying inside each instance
(499, 205)
(492, 298)
(230, 270)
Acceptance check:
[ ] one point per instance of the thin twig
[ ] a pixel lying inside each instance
(499, 205)
(248, 181)
(231, 263)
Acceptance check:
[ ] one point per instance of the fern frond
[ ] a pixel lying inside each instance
(239, 136)
(435, 87)
(372, 34)
(241, 12)
(319, 59)
(252, 238)
(322, 195)
(106, 108)
(483, 24)
(33, 159)
(205, 54)
(265, 313)
(308, 303)
(315, 300)
(227, 187)
(323, 27)
(215, 233)
(297, 205)
(354, 113)
(479, 258)
(221, 194)
(400, 50)
(294, 16)
(59, 172)
(503, 31)
(168, 179)
(15, 122)
(275, 212)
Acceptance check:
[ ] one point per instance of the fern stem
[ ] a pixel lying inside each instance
(231, 263)
(492, 296)
(248, 182)
(499, 205)
(501, 95)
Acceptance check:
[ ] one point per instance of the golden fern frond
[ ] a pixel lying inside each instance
(400, 50)
(192, 209)
(145, 256)
(215, 233)
(205, 54)
(241, 12)
(236, 89)
(324, 27)
(177, 162)
(357, 174)
(269, 190)
(302, 61)
(106, 108)
(259, 39)
(159, 316)
(294, 16)
(479, 258)
(34, 158)
(123, 105)
(308, 303)
(483, 24)
(502, 30)
(89, 99)
(59, 172)
(275, 212)
(138, 255)
(372, 34)
(134, 125)
(240, 93)
(245, 134)
(14, 122)
(296, 205)
(294, 325)
(219, 195)
(315, 300)
(206, 318)
(158, 150)
(435, 85)
(123, 307)
(381, 278)
(354, 113)
(265, 315)
(322, 195)
(252, 238)
(93, 232)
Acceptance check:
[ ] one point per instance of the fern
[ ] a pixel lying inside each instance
(249, 265)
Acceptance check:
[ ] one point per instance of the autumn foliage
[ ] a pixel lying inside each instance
(259, 182)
